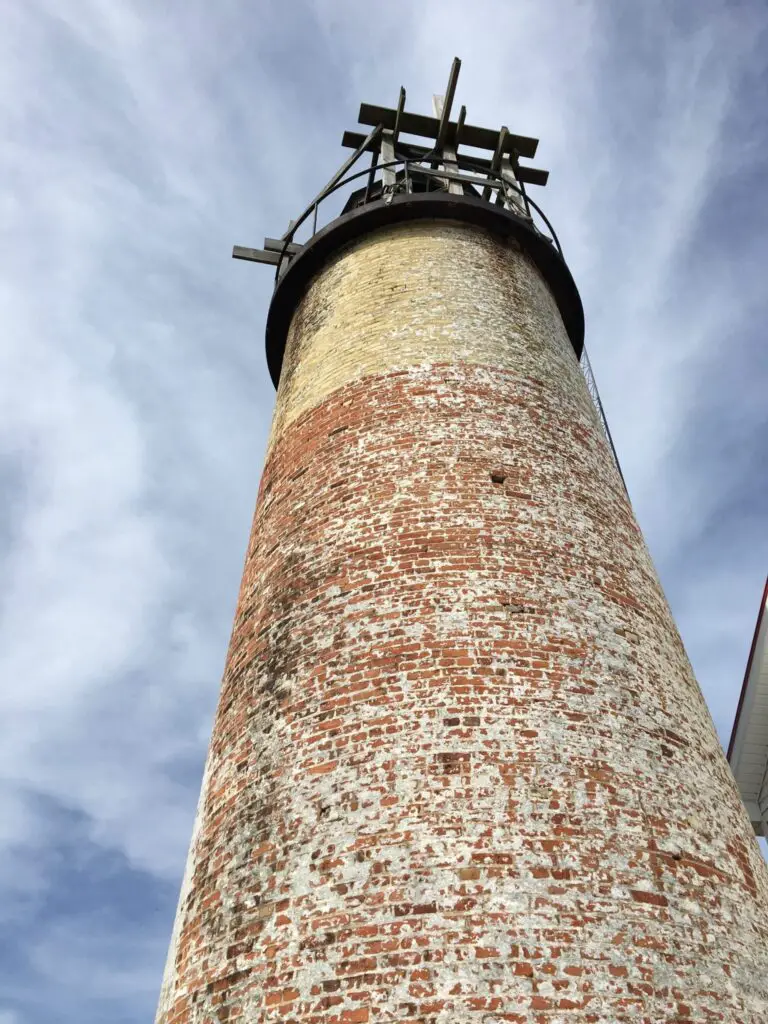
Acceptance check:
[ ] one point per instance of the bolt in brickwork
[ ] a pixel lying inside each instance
(460, 770)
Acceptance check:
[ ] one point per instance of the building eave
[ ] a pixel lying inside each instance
(748, 747)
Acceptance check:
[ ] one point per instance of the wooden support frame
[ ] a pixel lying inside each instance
(428, 127)
(388, 174)
(514, 200)
(459, 126)
(242, 252)
(446, 150)
(278, 245)
(411, 151)
(398, 114)
(463, 175)
(447, 103)
(496, 158)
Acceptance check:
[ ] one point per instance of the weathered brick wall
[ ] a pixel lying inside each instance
(461, 770)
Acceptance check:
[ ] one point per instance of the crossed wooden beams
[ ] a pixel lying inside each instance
(446, 132)
(384, 143)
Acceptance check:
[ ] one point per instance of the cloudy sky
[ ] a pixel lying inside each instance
(139, 141)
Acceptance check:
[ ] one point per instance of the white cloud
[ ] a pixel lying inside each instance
(95, 953)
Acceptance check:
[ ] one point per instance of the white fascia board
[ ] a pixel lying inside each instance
(748, 749)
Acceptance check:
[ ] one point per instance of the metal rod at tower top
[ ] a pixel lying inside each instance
(461, 770)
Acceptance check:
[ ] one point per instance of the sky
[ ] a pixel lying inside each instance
(140, 141)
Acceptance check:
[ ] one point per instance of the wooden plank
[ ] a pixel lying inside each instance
(450, 164)
(351, 140)
(447, 103)
(460, 126)
(398, 114)
(371, 172)
(463, 177)
(428, 127)
(447, 149)
(388, 174)
(414, 124)
(241, 252)
(530, 175)
(277, 245)
(516, 201)
(496, 159)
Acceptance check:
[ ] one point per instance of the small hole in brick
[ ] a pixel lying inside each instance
(498, 478)
(512, 608)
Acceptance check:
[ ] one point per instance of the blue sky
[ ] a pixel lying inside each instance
(140, 141)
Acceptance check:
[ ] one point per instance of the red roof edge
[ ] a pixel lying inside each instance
(743, 695)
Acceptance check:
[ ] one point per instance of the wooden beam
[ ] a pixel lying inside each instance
(445, 114)
(459, 126)
(428, 127)
(388, 174)
(446, 151)
(496, 159)
(499, 150)
(516, 201)
(398, 114)
(240, 252)
(461, 177)
(372, 171)
(278, 245)
(530, 175)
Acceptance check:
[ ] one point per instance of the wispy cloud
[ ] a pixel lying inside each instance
(140, 142)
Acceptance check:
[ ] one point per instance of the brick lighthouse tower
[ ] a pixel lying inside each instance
(461, 770)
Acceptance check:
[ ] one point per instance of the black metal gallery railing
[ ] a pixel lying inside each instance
(411, 177)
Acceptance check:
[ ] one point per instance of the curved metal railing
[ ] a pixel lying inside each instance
(412, 170)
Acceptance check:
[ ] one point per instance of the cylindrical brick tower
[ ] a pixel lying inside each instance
(461, 770)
